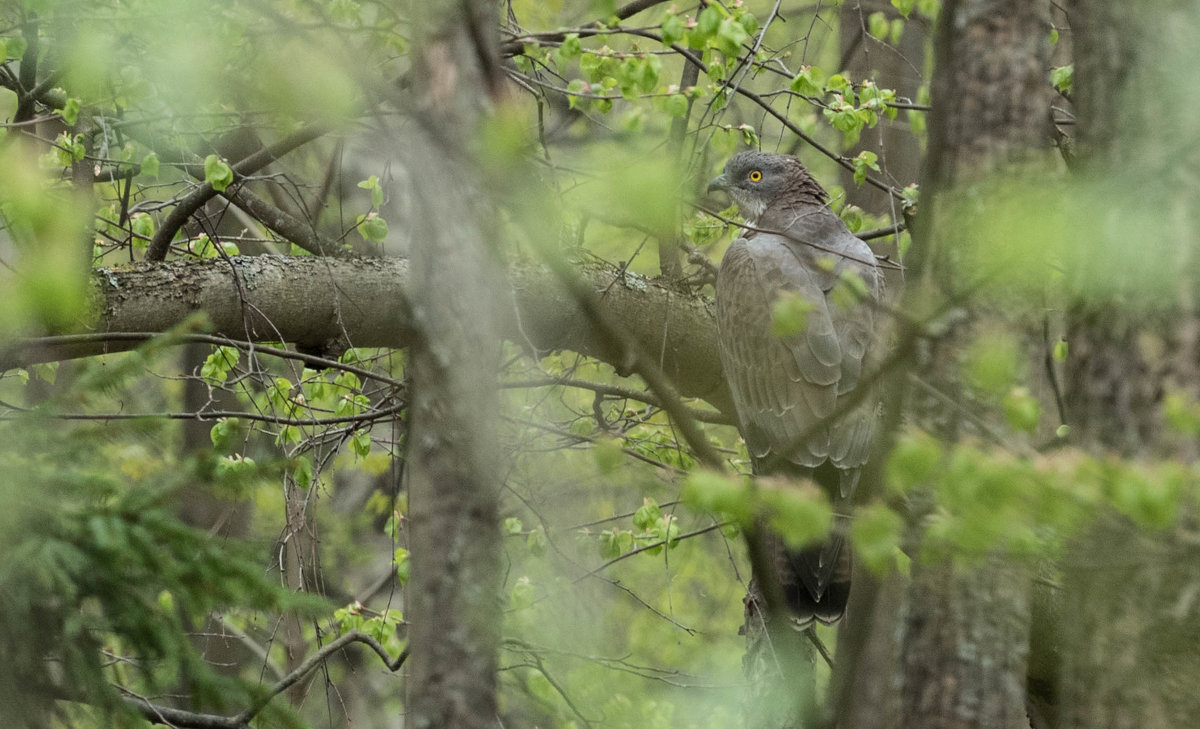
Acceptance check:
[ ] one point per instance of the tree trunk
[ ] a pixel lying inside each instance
(1131, 622)
(454, 479)
(966, 630)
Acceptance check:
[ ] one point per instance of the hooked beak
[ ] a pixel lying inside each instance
(720, 182)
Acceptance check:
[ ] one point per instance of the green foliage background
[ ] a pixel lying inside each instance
(623, 572)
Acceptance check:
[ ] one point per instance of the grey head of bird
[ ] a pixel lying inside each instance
(757, 181)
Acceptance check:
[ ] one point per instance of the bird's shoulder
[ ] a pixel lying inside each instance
(770, 261)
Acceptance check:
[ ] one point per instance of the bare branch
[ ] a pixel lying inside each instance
(270, 216)
(168, 716)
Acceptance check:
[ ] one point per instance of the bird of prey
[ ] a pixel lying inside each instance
(795, 395)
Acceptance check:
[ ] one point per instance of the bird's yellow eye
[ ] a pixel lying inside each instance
(755, 176)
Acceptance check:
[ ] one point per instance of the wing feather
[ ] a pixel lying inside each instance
(784, 388)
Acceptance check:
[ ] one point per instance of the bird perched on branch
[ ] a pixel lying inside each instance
(796, 384)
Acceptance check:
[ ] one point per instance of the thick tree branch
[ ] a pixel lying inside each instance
(323, 304)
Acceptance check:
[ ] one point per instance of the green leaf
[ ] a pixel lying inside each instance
(303, 472)
(676, 105)
(706, 27)
(372, 227)
(992, 362)
(875, 534)
(608, 455)
(595, 66)
(1182, 413)
(1022, 410)
(672, 29)
(217, 173)
(800, 516)
(221, 433)
(401, 560)
(730, 36)
(70, 112)
(647, 74)
(838, 82)
(852, 216)
(878, 25)
(789, 315)
(576, 86)
(667, 530)
(647, 514)
(609, 544)
(521, 595)
(142, 226)
(536, 542)
(288, 435)
(864, 161)
(513, 525)
(849, 291)
(1152, 500)
(914, 461)
(748, 21)
(571, 47)
(904, 6)
(720, 99)
(1063, 78)
(348, 381)
(46, 371)
(843, 116)
(15, 46)
(868, 117)
(1060, 350)
(809, 82)
(345, 11)
(217, 365)
(706, 490)
(149, 165)
(360, 443)
(749, 135)
(351, 404)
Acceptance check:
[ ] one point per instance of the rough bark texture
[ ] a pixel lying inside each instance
(1126, 355)
(865, 690)
(306, 301)
(452, 600)
(1130, 656)
(1112, 389)
(967, 627)
(989, 88)
(965, 649)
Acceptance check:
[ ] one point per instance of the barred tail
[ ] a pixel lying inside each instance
(816, 581)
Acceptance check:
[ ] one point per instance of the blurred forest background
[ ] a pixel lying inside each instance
(358, 367)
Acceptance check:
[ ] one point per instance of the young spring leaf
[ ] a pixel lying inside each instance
(217, 173)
